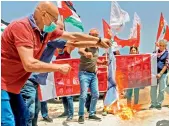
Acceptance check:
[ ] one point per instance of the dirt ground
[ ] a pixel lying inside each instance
(144, 117)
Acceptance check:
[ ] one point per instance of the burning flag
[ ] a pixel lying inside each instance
(111, 95)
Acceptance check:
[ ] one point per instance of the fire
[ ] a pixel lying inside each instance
(112, 109)
(124, 112)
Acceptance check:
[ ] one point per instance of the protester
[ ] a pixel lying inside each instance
(162, 57)
(133, 50)
(88, 78)
(44, 112)
(23, 42)
(68, 100)
(30, 90)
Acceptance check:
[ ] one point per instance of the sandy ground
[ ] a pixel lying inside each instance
(144, 117)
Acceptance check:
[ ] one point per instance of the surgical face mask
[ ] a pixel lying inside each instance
(50, 28)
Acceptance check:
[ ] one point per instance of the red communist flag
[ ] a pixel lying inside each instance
(167, 33)
(123, 42)
(106, 29)
(160, 27)
(138, 36)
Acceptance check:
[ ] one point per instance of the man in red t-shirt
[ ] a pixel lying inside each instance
(23, 42)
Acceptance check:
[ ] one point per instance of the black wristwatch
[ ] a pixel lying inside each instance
(100, 39)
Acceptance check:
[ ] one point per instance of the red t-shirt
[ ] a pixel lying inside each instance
(65, 55)
(20, 33)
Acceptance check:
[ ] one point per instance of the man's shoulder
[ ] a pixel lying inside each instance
(23, 22)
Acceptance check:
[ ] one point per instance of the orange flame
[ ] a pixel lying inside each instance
(124, 112)
(127, 113)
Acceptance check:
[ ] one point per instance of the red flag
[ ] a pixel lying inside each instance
(106, 29)
(64, 10)
(138, 36)
(122, 42)
(167, 33)
(160, 27)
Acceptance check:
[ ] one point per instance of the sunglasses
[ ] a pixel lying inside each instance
(54, 18)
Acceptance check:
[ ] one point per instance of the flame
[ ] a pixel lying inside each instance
(128, 112)
(112, 109)
(124, 112)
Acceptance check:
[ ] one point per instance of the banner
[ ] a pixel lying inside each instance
(132, 71)
(59, 85)
(69, 84)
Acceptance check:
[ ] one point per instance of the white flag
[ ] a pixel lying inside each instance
(118, 17)
(133, 30)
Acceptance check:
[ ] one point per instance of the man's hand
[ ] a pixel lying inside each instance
(64, 68)
(70, 44)
(105, 43)
(105, 62)
(89, 55)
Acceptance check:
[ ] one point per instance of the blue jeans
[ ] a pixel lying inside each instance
(157, 100)
(13, 110)
(88, 80)
(68, 105)
(136, 95)
(30, 95)
(44, 109)
(88, 101)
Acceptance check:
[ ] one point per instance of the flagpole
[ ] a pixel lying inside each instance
(111, 51)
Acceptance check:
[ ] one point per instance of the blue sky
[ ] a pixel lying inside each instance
(92, 13)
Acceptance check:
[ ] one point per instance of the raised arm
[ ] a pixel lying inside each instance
(31, 64)
(79, 37)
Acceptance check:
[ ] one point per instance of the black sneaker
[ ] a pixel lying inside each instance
(158, 107)
(152, 107)
(81, 120)
(62, 115)
(47, 119)
(69, 118)
(94, 117)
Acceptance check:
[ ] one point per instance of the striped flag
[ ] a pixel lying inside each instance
(112, 94)
(69, 14)
(3, 26)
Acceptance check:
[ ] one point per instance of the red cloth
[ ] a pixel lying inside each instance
(20, 33)
(65, 55)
